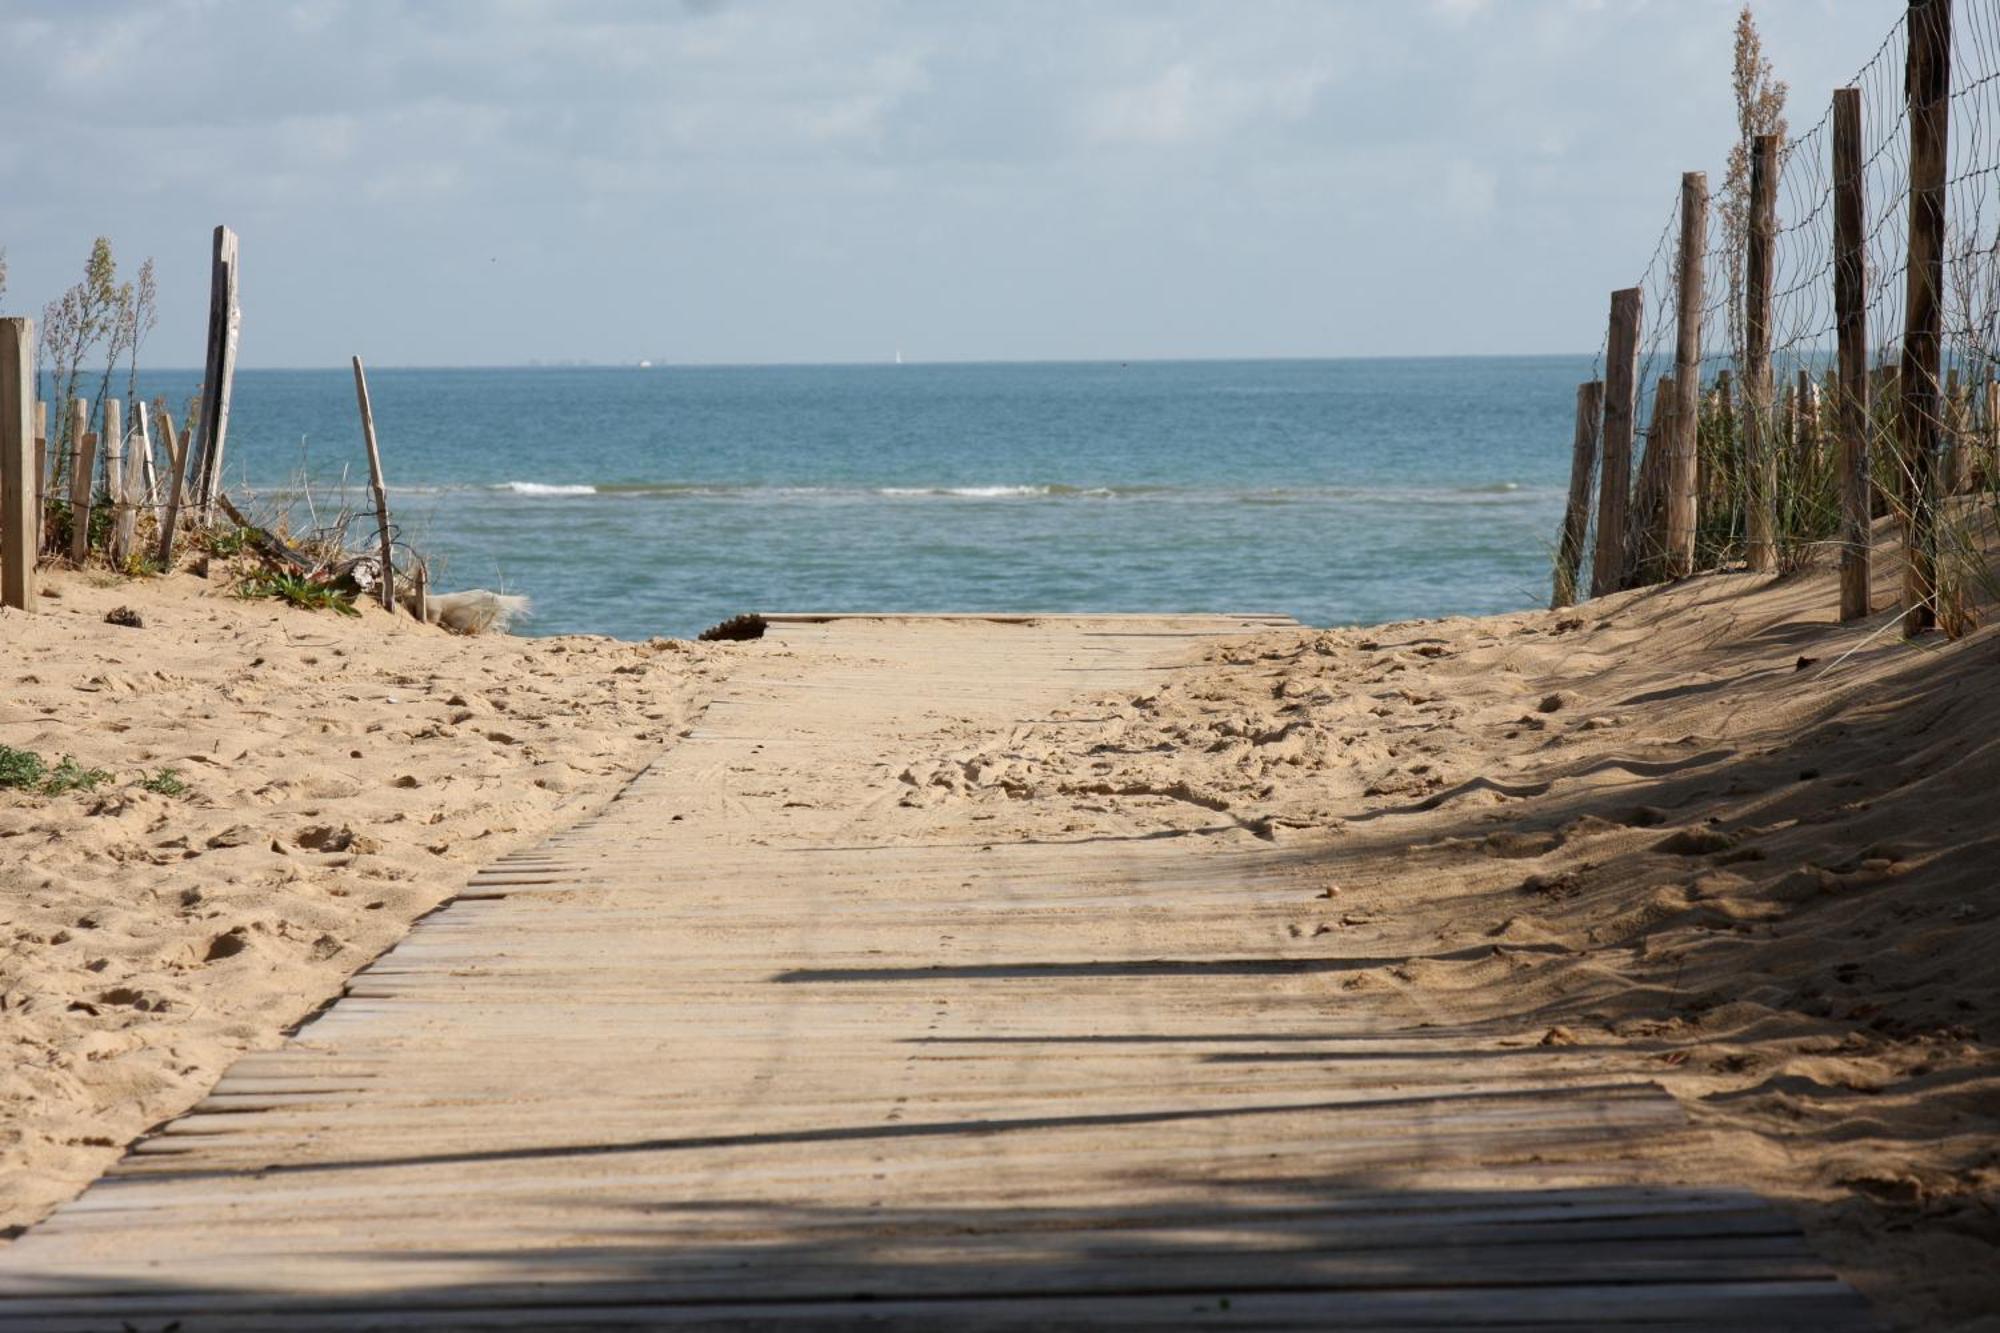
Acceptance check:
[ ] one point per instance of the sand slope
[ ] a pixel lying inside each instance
(344, 776)
(1702, 822)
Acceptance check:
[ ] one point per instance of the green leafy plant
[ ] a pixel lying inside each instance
(295, 590)
(225, 542)
(166, 782)
(25, 770)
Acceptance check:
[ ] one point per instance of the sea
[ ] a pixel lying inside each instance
(636, 501)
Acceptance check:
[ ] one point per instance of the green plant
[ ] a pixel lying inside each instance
(166, 782)
(22, 769)
(294, 590)
(27, 771)
(225, 542)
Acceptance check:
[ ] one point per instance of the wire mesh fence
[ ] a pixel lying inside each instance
(1773, 435)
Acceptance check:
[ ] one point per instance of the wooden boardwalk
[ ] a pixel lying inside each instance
(772, 1043)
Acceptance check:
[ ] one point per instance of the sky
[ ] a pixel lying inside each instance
(492, 182)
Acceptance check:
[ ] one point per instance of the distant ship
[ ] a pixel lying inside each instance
(899, 356)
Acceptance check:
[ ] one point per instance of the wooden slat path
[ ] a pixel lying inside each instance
(773, 1042)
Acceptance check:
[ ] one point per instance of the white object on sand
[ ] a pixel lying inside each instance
(476, 610)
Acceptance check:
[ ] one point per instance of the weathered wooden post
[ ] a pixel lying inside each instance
(41, 497)
(420, 593)
(1760, 455)
(149, 486)
(20, 527)
(82, 462)
(170, 517)
(114, 478)
(1621, 408)
(1680, 472)
(381, 491)
(1714, 485)
(1646, 523)
(1928, 79)
(1582, 470)
(1951, 445)
(1989, 457)
(225, 319)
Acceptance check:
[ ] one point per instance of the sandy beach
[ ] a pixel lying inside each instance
(343, 777)
(1700, 826)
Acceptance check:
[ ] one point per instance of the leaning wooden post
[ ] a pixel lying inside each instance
(1760, 451)
(114, 479)
(1582, 470)
(1928, 80)
(375, 480)
(1681, 474)
(82, 461)
(20, 526)
(1621, 408)
(137, 455)
(149, 485)
(420, 593)
(225, 319)
(170, 517)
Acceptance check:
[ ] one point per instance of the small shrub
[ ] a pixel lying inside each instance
(68, 775)
(24, 770)
(294, 590)
(166, 782)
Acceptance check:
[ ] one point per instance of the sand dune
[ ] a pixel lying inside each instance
(343, 776)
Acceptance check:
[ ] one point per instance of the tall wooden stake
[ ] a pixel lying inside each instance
(114, 479)
(1646, 523)
(41, 498)
(1680, 473)
(1760, 448)
(1582, 470)
(170, 517)
(19, 523)
(375, 480)
(82, 461)
(225, 319)
(1621, 409)
(1928, 79)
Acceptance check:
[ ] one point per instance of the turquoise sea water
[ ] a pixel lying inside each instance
(634, 502)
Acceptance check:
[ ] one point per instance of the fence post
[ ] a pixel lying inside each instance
(1680, 472)
(41, 475)
(1928, 79)
(170, 517)
(19, 527)
(1760, 453)
(1582, 468)
(225, 319)
(82, 463)
(1614, 486)
(1646, 523)
(381, 491)
(114, 478)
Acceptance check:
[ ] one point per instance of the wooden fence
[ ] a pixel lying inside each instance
(1829, 362)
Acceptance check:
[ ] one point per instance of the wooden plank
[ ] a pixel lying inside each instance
(1582, 472)
(20, 524)
(170, 517)
(225, 320)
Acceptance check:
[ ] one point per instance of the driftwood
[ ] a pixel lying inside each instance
(272, 549)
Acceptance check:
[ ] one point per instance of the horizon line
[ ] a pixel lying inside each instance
(646, 364)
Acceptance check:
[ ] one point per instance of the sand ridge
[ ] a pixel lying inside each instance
(344, 776)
